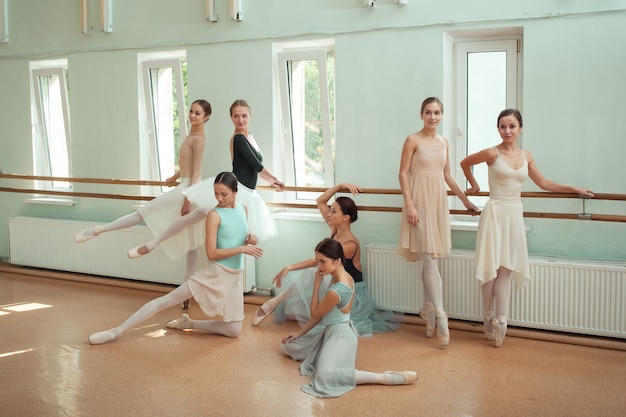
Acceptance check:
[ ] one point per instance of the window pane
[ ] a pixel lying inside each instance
(486, 97)
(166, 117)
(53, 129)
(307, 126)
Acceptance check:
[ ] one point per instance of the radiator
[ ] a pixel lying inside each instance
(49, 244)
(566, 295)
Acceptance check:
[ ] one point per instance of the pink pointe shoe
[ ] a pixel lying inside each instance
(400, 378)
(428, 314)
(102, 337)
(499, 328)
(134, 252)
(443, 333)
(260, 315)
(87, 234)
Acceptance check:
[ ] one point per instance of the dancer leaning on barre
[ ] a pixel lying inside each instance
(501, 252)
(425, 227)
(247, 166)
(297, 279)
(329, 356)
(172, 207)
(218, 286)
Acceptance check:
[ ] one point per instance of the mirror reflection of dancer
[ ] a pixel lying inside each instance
(425, 228)
(501, 251)
(218, 286)
(171, 208)
(329, 356)
(298, 278)
(248, 167)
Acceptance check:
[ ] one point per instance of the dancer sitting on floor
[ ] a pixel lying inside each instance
(218, 286)
(298, 278)
(329, 356)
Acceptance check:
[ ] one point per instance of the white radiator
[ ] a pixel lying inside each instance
(564, 294)
(49, 243)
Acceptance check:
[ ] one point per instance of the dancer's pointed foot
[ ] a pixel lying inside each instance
(428, 314)
(489, 333)
(138, 252)
(261, 314)
(102, 337)
(499, 328)
(443, 333)
(400, 378)
(181, 323)
(87, 234)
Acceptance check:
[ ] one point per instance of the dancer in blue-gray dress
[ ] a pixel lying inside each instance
(297, 279)
(329, 356)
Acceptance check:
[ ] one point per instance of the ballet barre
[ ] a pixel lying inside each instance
(584, 215)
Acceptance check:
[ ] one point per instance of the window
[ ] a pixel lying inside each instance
(164, 87)
(51, 122)
(486, 83)
(307, 107)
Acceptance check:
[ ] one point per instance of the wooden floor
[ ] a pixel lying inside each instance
(47, 367)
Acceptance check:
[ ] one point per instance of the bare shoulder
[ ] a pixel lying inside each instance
(192, 139)
(411, 141)
(527, 155)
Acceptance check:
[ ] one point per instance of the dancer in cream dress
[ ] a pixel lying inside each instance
(425, 224)
(501, 252)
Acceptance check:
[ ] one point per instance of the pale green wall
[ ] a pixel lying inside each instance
(387, 60)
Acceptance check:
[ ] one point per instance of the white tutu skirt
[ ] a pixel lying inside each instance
(202, 195)
(164, 210)
(260, 220)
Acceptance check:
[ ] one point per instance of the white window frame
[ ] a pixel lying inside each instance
(458, 122)
(150, 161)
(317, 50)
(44, 159)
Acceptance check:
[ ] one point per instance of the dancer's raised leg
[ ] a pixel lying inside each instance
(193, 217)
(124, 222)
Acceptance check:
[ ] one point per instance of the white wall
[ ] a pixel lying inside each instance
(387, 60)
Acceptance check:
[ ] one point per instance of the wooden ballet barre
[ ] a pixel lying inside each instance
(82, 180)
(377, 191)
(78, 194)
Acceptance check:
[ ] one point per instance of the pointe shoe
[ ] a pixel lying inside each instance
(428, 314)
(443, 333)
(260, 315)
(134, 252)
(181, 323)
(87, 234)
(489, 333)
(499, 330)
(102, 337)
(391, 377)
